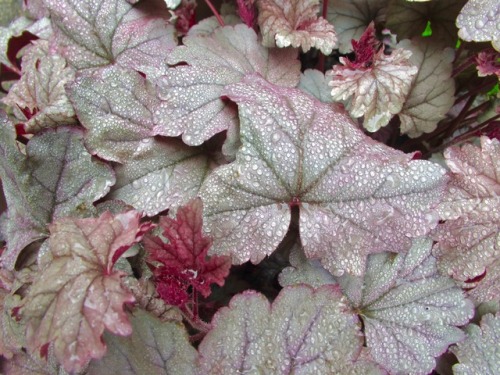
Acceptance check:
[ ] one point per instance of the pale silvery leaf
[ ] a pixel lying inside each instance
(77, 294)
(304, 331)
(154, 347)
(172, 4)
(96, 33)
(116, 106)
(191, 95)
(303, 270)
(351, 18)
(375, 87)
(315, 83)
(479, 353)
(10, 10)
(41, 89)
(409, 19)
(164, 178)
(208, 25)
(432, 91)
(410, 312)
(57, 177)
(469, 239)
(479, 21)
(295, 23)
(355, 196)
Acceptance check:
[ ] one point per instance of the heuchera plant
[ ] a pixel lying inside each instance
(250, 187)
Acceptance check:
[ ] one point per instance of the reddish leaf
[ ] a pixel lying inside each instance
(182, 262)
(77, 294)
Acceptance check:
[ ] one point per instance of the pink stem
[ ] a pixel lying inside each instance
(214, 11)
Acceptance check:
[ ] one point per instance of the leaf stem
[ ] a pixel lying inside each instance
(214, 11)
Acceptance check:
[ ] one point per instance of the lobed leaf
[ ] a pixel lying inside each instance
(40, 91)
(478, 21)
(285, 23)
(410, 312)
(479, 353)
(56, 178)
(315, 83)
(305, 331)
(468, 242)
(375, 88)
(355, 196)
(432, 91)
(97, 33)
(191, 95)
(77, 294)
(154, 347)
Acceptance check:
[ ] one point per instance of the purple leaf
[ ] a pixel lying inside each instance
(41, 90)
(303, 332)
(155, 347)
(352, 17)
(56, 178)
(478, 21)
(355, 196)
(410, 312)
(479, 353)
(468, 242)
(285, 23)
(98, 33)
(191, 95)
(432, 91)
(77, 294)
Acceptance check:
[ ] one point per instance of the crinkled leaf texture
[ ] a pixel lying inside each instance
(154, 347)
(432, 91)
(95, 33)
(305, 331)
(410, 312)
(40, 91)
(191, 95)
(479, 353)
(355, 195)
(409, 19)
(469, 240)
(77, 294)
(182, 263)
(479, 21)
(351, 17)
(57, 177)
(295, 23)
(376, 89)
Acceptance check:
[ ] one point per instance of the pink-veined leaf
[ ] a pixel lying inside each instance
(182, 263)
(304, 331)
(479, 353)
(40, 91)
(77, 294)
(315, 83)
(478, 21)
(408, 19)
(488, 63)
(355, 195)
(154, 347)
(295, 23)
(352, 17)
(96, 33)
(57, 177)
(469, 239)
(374, 85)
(191, 95)
(410, 312)
(23, 363)
(432, 91)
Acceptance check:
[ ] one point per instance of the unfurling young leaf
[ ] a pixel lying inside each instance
(479, 353)
(182, 263)
(77, 294)
(304, 331)
(295, 23)
(355, 196)
(410, 312)
(374, 85)
(57, 177)
(469, 239)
